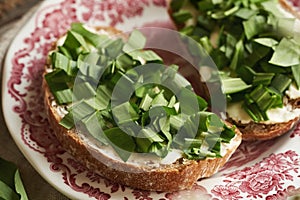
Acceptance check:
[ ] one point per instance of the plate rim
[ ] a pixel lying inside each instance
(63, 188)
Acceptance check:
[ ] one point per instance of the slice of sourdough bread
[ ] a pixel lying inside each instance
(281, 120)
(141, 171)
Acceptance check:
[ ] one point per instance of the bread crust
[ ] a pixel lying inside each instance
(259, 131)
(180, 175)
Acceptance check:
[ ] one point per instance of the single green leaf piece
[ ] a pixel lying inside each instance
(268, 42)
(7, 193)
(296, 74)
(123, 143)
(234, 85)
(136, 41)
(20, 187)
(286, 53)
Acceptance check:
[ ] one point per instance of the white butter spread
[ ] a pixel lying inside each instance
(276, 115)
(61, 41)
(225, 147)
(237, 113)
(293, 92)
(137, 159)
(147, 159)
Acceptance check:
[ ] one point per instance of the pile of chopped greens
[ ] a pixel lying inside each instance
(125, 97)
(253, 45)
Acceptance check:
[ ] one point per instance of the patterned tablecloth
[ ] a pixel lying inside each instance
(36, 187)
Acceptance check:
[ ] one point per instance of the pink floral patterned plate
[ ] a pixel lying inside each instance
(258, 170)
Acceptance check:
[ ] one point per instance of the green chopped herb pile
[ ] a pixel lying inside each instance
(253, 45)
(125, 97)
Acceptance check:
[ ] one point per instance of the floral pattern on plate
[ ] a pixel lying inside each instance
(262, 178)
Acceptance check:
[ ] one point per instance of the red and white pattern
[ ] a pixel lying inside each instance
(295, 3)
(273, 177)
(248, 152)
(296, 132)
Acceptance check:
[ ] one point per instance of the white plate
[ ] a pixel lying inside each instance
(260, 170)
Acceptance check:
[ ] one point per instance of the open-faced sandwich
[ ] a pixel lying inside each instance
(257, 52)
(119, 110)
